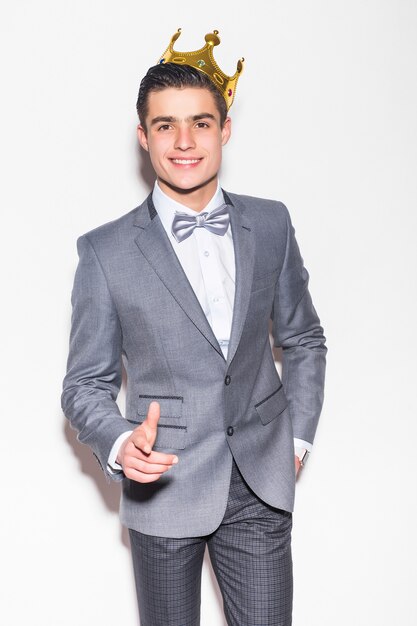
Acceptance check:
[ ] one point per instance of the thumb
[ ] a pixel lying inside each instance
(148, 428)
(154, 413)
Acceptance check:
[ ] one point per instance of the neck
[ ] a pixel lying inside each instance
(196, 198)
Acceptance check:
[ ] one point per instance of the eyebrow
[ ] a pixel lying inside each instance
(170, 119)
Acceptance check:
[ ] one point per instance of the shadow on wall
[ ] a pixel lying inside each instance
(110, 493)
(89, 466)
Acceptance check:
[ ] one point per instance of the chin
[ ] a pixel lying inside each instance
(188, 186)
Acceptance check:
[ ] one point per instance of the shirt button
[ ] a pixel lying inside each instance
(230, 431)
(216, 299)
(227, 380)
(206, 253)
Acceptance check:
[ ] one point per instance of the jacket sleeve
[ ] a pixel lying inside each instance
(94, 369)
(297, 329)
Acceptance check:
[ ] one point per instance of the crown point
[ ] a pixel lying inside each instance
(175, 36)
(212, 39)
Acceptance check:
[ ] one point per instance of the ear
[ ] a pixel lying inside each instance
(226, 130)
(142, 137)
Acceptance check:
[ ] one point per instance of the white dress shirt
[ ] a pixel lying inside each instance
(208, 261)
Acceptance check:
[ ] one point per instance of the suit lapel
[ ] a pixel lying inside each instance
(243, 242)
(155, 246)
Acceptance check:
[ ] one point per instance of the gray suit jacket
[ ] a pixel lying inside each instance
(132, 298)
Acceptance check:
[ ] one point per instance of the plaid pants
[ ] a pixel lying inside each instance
(251, 557)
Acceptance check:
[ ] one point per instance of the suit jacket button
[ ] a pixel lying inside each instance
(230, 431)
(227, 380)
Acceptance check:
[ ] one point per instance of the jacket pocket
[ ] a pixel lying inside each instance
(172, 427)
(273, 405)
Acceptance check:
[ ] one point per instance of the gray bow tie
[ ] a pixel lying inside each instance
(216, 222)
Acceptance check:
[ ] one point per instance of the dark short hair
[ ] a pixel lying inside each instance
(165, 75)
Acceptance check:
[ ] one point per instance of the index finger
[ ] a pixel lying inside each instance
(162, 458)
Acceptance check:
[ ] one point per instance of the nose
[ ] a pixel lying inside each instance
(184, 139)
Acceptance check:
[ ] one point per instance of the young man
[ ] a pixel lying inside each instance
(185, 286)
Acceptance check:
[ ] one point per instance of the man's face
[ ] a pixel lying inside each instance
(184, 139)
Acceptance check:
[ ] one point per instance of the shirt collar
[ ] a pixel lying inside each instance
(166, 206)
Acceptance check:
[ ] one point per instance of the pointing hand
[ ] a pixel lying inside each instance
(138, 460)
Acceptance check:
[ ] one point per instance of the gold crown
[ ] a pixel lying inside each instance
(203, 60)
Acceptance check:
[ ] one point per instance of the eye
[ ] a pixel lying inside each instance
(202, 125)
(164, 127)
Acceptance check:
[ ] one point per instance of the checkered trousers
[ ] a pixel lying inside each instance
(251, 557)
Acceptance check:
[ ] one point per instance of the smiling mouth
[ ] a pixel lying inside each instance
(186, 161)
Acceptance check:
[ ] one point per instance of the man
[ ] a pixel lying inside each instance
(184, 287)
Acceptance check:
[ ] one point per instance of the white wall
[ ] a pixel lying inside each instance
(325, 120)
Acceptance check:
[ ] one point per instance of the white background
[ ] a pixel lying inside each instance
(325, 120)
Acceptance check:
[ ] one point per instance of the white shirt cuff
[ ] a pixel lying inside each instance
(300, 445)
(113, 466)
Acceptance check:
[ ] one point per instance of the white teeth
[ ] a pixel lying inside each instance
(185, 161)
